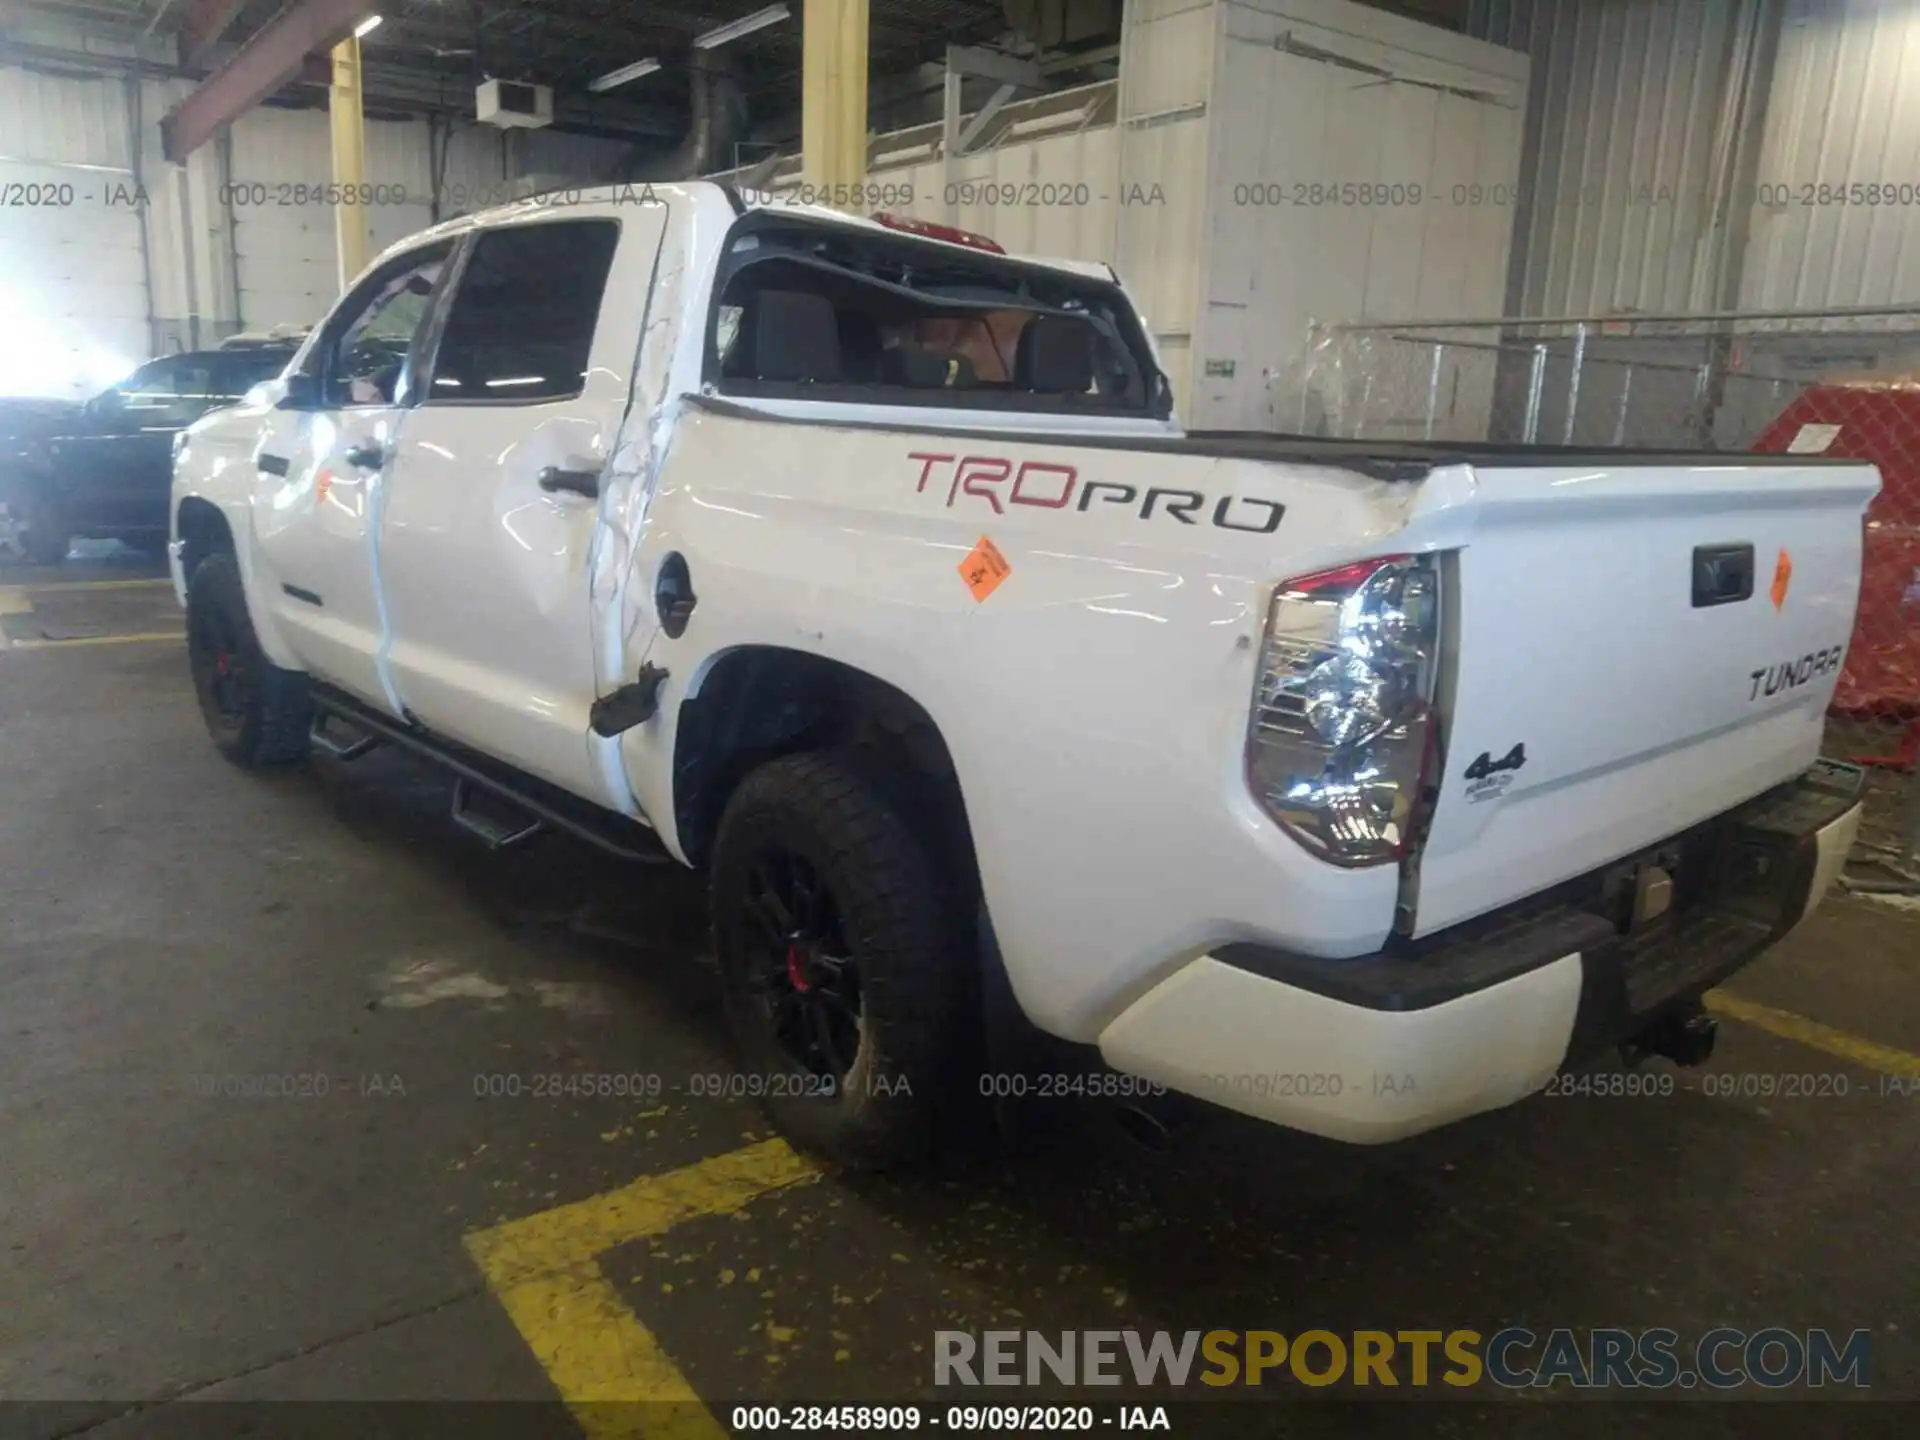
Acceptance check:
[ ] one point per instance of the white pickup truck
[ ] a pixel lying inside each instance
(1357, 787)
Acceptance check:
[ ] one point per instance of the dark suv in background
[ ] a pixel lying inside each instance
(105, 468)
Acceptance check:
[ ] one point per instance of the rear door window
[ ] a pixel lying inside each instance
(523, 318)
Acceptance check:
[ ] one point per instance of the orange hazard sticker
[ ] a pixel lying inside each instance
(1782, 578)
(984, 568)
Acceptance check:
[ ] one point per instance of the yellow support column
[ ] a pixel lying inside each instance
(349, 158)
(833, 102)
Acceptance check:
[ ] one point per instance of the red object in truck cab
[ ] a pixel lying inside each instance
(1879, 423)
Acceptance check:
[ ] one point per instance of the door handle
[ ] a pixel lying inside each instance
(1722, 575)
(554, 480)
(366, 456)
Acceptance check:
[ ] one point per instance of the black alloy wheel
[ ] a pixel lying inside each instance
(223, 677)
(256, 712)
(843, 959)
(807, 981)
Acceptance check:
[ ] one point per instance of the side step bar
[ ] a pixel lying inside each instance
(489, 830)
(346, 752)
(546, 806)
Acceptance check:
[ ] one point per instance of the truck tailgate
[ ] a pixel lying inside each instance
(1612, 684)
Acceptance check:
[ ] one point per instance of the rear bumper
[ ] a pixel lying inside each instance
(1382, 1046)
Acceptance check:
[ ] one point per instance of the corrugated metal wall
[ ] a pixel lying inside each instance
(1620, 158)
(1845, 110)
(1625, 97)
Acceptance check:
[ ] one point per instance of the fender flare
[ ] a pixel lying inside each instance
(228, 524)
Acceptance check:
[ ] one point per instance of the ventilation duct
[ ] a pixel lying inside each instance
(717, 114)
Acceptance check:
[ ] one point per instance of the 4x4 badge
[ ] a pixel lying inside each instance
(1486, 765)
(1489, 778)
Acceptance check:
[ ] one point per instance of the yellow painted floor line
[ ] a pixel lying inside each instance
(1785, 1023)
(608, 1367)
(141, 639)
(14, 601)
(92, 584)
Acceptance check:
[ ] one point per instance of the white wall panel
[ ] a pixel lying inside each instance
(1340, 135)
(1160, 217)
(73, 302)
(1048, 187)
(1052, 196)
(1210, 99)
(230, 240)
(283, 227)
(195, 301)
(288, 269)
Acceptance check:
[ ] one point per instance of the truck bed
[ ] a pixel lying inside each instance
(1402, 460)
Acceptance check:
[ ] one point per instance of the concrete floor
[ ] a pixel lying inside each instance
(167, 918)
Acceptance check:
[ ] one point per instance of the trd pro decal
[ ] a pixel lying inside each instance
(999, 482)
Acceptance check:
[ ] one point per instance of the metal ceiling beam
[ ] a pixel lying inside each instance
(153, 21)
(205, 22)
(995, 65)
(267, 61)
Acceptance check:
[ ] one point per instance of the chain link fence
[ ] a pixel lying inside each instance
(1833, 382)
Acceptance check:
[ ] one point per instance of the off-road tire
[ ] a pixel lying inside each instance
(257, 713)
(44, 536)
(918, 1013)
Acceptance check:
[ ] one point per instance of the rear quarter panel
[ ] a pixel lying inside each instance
(1095, 701)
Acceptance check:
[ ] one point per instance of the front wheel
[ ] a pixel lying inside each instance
(34, 528)
(257, 713)
(844, 971)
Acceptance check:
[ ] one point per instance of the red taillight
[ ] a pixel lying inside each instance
(1343, 731)
(952, 234)
(1341, 577)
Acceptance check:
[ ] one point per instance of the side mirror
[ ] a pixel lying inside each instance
(299, 391)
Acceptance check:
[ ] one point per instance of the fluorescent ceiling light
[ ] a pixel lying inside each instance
(624, 74)
(733, 30)
(371, 23)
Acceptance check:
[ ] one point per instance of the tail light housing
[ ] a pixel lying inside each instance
(1343, 719)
